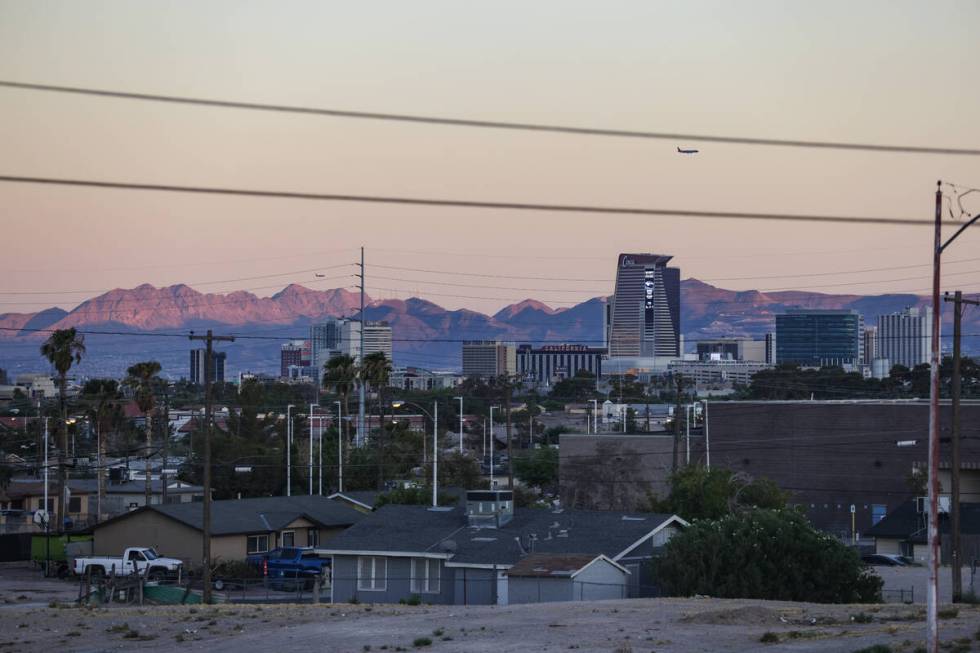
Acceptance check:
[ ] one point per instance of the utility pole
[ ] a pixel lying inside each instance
(209, 425)
(460, 425)
(510, 449)
(289, 450)
(166, 438)
(677, 422)
(932, 591)
(361, 435)
(956, 557)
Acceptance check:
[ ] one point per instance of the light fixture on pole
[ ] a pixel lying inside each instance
(340, 451)
(595, 417)
(434, 416)
(460, 424)
(309, 422)
(289, 450)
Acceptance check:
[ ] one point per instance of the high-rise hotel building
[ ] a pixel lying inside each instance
(644, 312)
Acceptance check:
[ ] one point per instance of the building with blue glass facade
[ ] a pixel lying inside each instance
(820, 337)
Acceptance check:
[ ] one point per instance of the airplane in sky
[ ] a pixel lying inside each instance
(681, 150)
(317, 274)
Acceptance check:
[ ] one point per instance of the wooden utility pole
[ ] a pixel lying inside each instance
(956, 553)
(166, 439)
(209, 423)
(508, 389)
(677, 421)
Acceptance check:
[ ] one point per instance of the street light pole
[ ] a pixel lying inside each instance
(460, 424)
(289, 450)
(340, 452)
(435, 454)
(595, 417)
(310, 464)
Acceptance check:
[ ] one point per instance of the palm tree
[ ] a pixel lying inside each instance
(142, 378)
(340, 375)
(63, 348)
(103, 393)
(377, 372)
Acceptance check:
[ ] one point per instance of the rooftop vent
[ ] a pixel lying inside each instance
(489, 508)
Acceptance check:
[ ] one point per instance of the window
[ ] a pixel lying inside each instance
(312, 537)
(425, 576)
(372, 573)
(257, 544)
(878, 512)
(288, 538)
(75, 504)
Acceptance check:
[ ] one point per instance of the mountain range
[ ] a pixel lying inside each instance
(425, 333)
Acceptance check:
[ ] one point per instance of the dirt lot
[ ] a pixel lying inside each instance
(27, 623)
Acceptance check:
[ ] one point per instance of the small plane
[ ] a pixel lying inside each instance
(681, 150)
(317, 274)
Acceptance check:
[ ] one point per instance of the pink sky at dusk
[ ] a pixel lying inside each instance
(881, 72)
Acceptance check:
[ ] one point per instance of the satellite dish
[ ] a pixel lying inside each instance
(448, 546)
(40, 517)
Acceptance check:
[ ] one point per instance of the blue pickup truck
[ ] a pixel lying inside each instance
(293, 567)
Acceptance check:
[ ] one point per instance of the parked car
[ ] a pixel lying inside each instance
(294, 567)
(883, 560)
(134, 560)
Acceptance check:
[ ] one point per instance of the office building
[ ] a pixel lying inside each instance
(771, 348)
(820, 337)
(717, 372)
(735, 349)
(870, 352)
(905, 338)
(488, 358)
(293, 353)
(334, 338)
(552, 363)
(198, 357)
(645, 313)
(417, 378)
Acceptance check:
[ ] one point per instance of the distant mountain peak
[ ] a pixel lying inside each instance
(512, 310)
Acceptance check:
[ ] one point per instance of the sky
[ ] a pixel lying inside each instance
(879, 72)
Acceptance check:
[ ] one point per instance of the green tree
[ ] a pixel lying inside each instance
(63, 348)
(102, 395)
(340, 376)
(765, 554)
(460, 470)
(697, 492)
(538, 468)
(142, 378)
(576, 388)
(377, 374)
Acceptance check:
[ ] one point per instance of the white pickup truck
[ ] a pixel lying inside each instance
(135, 559)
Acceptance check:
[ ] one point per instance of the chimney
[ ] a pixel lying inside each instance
(489, 508)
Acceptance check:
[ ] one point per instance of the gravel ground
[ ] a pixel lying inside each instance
(661, 625)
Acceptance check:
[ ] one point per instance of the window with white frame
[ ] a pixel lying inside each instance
(425, 576)
(288, 538)
(372, 573)
(257, 544)
(312, 537)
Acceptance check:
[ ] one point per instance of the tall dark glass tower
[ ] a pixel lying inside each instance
(645, 316)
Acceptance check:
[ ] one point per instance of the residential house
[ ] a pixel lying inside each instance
(359, 500)
(239, 527)
(543, 577)
(903, 531)
(462, 555)
(27, 495)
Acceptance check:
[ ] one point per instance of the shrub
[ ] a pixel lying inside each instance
(422, 641)
(769, 638)
(948, 613)
(877, 648)
(765, 554)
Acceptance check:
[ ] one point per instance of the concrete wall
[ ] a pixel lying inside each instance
(539, 590)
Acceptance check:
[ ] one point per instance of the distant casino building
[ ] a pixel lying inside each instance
(487, 358)
(295, 353)
(552, 363)
(905, 338)
(644, 311)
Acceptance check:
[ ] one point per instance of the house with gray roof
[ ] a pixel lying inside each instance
(239, 527)
(462, 555)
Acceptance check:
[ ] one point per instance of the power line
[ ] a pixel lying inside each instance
(494, 124)
(470, 204)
